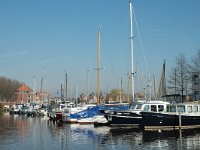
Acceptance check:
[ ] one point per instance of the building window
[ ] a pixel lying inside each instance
(196, 79)
(196, 95)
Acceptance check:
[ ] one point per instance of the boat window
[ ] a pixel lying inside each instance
(195, 108)
(153, 108)
(139, 106)
(180, 108)
(189, 109)
(146, 108)
(133, 106)
(160, 108)
(172, 108)
(168, 108)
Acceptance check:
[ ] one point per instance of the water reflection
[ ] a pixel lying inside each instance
(13, 133)
(20, 132)
(85, 136)
(137, 138)
(123, 138)
(176, 139)
(75, 136)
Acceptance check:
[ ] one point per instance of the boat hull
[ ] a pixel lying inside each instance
(169, 121)
(86, 121)
(59, 116)
(124, 119)
(71, 120)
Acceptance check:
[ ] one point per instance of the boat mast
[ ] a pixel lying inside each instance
(98, 69)
(61, 92)
(66, 86)
(34, 89)
(45, 86)
(131, 37)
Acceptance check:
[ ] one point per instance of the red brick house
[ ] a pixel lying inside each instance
(24, 94)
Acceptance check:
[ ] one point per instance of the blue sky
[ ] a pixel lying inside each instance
(61, 36)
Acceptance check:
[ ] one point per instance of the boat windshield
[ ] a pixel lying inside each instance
(139, 106)
(136, 106)
(133, 106)
(146, 108)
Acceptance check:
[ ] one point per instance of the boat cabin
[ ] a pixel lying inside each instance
(183, 108)
(153, 106)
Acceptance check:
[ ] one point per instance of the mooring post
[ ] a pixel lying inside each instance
(179, 119)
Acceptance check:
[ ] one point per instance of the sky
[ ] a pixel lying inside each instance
(52, 38)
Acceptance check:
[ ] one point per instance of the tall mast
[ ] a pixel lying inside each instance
(61, 92)
(41, 90)
(66, 86)
(45, 84)
(98, 69)
(34, 88)
(120, 97)
(131, 37)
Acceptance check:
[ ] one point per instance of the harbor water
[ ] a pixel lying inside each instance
(38, 133)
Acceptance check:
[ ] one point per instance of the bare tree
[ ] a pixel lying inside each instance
(8, 88)
(179, 76)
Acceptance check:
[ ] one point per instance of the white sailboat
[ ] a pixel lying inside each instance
(132, 116)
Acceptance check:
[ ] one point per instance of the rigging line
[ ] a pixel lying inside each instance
(107, 56)
(140, 41)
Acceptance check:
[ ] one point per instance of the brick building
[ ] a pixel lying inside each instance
(24, 94)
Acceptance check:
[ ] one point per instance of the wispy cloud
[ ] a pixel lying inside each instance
(171, 30)
(51, 60)
(156, 30)
(14, 54)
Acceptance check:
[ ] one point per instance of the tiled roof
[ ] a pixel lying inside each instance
(24, 87)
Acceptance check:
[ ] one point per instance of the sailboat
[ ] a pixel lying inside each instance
(93, 115)
(132, 116)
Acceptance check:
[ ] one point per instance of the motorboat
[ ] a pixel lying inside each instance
(176, 116)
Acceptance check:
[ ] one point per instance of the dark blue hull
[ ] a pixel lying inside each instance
(162, 120)
(124, 119)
